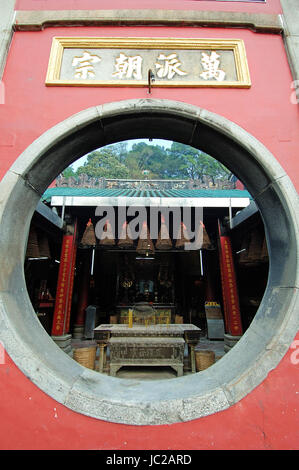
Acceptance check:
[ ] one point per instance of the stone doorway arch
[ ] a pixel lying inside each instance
(264, 343)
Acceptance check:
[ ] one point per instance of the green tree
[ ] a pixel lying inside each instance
(195, 164)
(146, 161)
(69, 172)
(157, 161)
(104, 163)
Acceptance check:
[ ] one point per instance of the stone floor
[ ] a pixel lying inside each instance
(146, 373)
(157, 373)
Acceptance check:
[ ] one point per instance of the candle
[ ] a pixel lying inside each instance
(130, 318)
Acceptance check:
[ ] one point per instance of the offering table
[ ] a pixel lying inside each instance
(153, 345)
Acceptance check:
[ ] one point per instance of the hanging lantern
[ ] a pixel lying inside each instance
(182, 239)
(107, 237)
(44, 249)
(164, 242)
(32, 245)
(125, 240)
(89, 238)
(145, 244)
(255, 247)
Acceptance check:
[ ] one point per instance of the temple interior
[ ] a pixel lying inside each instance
(115, 279)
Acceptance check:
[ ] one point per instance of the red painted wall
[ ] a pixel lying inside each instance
(31, 108)
(267, 417)
(271, 6)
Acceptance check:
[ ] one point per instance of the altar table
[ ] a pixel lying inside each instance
(152, 345)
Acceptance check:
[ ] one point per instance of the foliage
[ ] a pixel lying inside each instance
(69, 172)
(196, 164)
(146, 161)
(104, 163)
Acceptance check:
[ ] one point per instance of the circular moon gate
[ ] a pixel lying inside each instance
(160, 402)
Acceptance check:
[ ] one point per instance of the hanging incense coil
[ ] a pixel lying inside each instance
(125, 239)
(206, 242)
(89, 238)
(255, 247)
(44, 249)
(202, 239)
(163, 242)
(182, 239)
(107, 237)
(145, 244)
(32, 245)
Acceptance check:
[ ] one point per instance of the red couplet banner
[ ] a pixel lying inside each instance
(229, 287)
(64, 286)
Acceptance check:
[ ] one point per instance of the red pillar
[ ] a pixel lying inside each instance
(72, 276)
(232, 314)
(65, 281)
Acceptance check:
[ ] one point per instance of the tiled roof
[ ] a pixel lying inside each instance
(182, 193)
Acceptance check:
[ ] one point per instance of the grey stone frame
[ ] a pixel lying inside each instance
(37, 20)
(184, 398)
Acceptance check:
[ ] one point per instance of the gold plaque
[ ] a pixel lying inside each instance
(164, 62)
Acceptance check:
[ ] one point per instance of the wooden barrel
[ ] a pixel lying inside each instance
(204, 359)
(113, 319)
(85, 356)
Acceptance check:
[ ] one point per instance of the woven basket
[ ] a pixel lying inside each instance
(204, 359)
(85, 356)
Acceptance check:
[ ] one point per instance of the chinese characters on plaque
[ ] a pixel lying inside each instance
(165, 66)
(175, 63)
